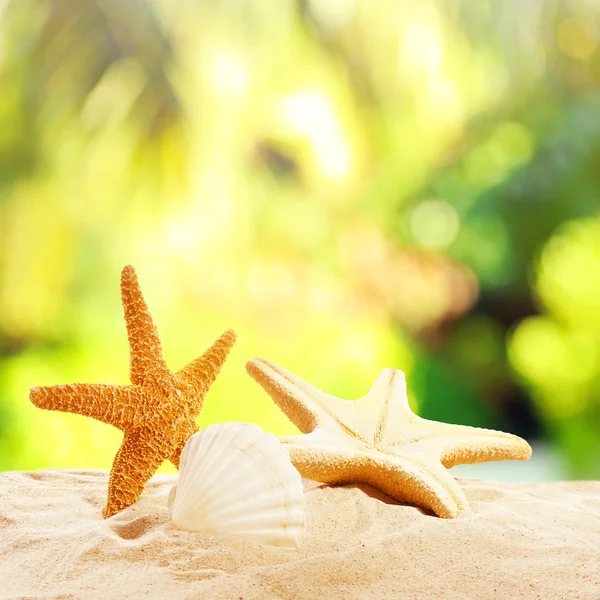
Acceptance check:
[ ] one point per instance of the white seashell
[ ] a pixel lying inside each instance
(237, 480)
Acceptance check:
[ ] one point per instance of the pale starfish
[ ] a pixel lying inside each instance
(379, 440)
(156, 414)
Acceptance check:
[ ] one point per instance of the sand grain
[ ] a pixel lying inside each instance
(521, 541)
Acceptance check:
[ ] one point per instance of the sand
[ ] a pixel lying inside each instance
(521, 541)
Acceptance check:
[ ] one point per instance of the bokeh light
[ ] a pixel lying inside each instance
(349, 185)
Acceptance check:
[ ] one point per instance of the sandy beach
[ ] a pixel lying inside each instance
(529, 541)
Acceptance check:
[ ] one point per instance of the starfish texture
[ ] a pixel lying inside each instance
(379, 440)
(156, 413)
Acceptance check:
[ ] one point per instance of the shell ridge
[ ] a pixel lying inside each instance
(186, 473)
(276, 516)
(201, 446)
(271, 481)
(222, 513)
(237, 480)
(267, 497)
(216, 481)
(264, 486)
(197, 483)
(181, 478)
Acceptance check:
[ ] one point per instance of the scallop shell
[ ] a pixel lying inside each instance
(237, 480)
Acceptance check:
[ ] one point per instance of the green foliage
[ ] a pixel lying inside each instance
(349, 185)
(558, 354)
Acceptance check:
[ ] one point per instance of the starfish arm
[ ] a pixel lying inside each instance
(428, 485)
(144, 343)
(326, 465)
(383, 407)
(188, 433)
(403, 479)
(470, 445)
(325, 439)
(202, 371)
(133, 466)
(111, 404)
(389, 390)
(302, 403)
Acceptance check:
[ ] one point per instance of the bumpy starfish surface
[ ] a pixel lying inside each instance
(378, 440)
(156, 413)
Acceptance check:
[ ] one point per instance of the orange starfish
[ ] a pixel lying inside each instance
(156, 413)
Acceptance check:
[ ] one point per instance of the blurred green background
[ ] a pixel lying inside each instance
(350, 185)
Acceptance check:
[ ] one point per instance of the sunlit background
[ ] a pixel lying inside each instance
(350, 185)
